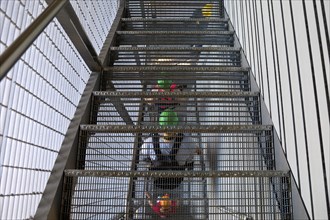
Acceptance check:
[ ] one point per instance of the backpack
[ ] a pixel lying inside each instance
(167, 162)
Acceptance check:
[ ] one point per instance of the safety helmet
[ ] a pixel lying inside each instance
(207, 10)
(168, 117)
(165, 201)
(164, 83)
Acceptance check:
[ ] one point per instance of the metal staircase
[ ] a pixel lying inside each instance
(234, 174)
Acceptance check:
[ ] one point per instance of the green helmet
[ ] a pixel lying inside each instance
(168, 117)
(164, 83)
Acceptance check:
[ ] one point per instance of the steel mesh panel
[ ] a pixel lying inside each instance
(169, 57)
(39, 96)
(96, 18)
(233, 82)
(187, 38)
(95, 197)
(238, 196)
(205, 108)
(235, 149)
(238, 151)
(125, 85)
(105, 151)
(171, 24)
(134, 80)
(171, 9)
(252, 198)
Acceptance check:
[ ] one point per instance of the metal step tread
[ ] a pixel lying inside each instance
(177, 19)
(176, 173)
(172, 48)
(183, 68)
(175, 32)
(192, 94)
(178, 128)
(225, 79)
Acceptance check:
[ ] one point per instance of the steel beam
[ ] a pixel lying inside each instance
(72, 26)
(187, 128)
(175, 68)
(208, 94)
(178, 48)
(202, 174)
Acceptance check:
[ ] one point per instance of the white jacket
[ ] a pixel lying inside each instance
(185, 153)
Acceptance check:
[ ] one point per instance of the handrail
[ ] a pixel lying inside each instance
(71, 24)
(10, 56)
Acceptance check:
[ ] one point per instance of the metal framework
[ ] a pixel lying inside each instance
(231, 170)
(226, 159)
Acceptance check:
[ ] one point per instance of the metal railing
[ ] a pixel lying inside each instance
(43, 77)
(10, 56)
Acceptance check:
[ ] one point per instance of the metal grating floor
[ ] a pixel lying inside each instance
(192, 108)
(223, 196)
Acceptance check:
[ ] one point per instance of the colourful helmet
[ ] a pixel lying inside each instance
(164, 83)
(165, 201)
(207, 10)
(168, 117)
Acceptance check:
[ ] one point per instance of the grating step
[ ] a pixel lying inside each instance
(190, 94)
(201, 174)
(175, 19)
(179, 77)
(172, 9)
(177, 48)
(182, 68)
(177, 33)
(185, 128)
(194, 81)
(220, 148)
(204, 108)
(194, 56)
(174, 24)
(89, 194)
(209, 148)
(174, 49)
(207, 81)
(189, 38)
